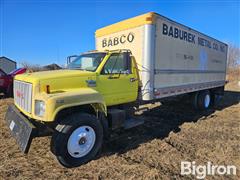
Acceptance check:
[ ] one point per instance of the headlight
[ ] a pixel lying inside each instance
(39, 108)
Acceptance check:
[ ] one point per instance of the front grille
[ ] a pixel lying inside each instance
(23, 95)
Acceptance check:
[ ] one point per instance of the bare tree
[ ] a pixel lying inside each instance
(233, 63)
(36, 67)
(233, 56)
(31, 67)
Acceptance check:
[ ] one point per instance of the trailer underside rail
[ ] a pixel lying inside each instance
(177, 90)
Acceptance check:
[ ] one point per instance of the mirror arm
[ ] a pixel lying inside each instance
(119, 74)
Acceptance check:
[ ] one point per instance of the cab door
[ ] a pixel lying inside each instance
(117, 81)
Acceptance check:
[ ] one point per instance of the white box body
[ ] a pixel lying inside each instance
(172, 58)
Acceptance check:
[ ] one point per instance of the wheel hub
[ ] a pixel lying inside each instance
(81, 141)
(207, 101)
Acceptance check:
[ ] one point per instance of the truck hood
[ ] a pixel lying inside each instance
(58, 79)
(55, 74)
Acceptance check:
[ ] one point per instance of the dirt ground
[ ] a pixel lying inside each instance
(172, 133)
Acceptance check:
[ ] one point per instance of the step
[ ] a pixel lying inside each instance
(133, 122)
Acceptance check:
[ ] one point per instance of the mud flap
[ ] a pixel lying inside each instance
(21, 128)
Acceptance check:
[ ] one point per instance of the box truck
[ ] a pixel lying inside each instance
(137, 61)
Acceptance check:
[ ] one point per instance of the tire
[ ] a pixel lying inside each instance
(202, 100)
(9, 92)
(215, 99)
(78, 139)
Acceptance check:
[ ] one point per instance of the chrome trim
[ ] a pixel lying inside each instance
(23, 95)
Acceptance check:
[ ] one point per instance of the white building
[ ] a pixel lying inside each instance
(7, 65)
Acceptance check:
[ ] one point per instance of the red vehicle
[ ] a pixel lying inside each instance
(6, 80)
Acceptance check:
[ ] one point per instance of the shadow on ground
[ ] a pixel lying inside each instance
(162, 120)
(2, 96)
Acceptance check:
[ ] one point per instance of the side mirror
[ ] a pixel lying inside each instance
(71, 58)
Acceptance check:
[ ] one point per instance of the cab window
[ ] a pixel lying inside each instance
(118, 63)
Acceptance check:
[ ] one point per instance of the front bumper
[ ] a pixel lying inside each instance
(21, 128)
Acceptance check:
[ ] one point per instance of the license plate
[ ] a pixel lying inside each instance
(11, 126)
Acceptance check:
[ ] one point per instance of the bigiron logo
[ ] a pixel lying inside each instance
(201, 171)
(114, 41)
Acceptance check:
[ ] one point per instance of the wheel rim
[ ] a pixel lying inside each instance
(207, 101)
(81, 141)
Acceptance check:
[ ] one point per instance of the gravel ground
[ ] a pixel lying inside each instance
(172, 133)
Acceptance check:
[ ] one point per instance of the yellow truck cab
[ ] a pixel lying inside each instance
(148, 58)
(85, 81)
(45, 101)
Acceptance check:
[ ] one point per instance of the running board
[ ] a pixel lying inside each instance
(133, 122)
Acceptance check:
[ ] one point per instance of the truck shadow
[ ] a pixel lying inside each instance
(163, 119)
(2, 96)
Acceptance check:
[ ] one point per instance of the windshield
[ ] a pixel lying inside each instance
(88, 62)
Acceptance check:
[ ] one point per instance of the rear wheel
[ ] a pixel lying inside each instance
(202, 100)
(78, 139)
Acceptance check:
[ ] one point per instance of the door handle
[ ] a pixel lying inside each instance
(133, 79)
(113, 77)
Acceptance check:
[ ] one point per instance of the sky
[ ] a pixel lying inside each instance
(47, 31)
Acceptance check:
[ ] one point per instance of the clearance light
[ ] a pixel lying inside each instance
(149, 19)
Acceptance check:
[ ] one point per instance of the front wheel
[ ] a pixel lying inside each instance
(78, 140)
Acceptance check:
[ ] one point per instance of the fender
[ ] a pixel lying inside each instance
(59, 101)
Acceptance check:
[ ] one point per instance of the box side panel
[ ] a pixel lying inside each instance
(131, 39)
(186, 57)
